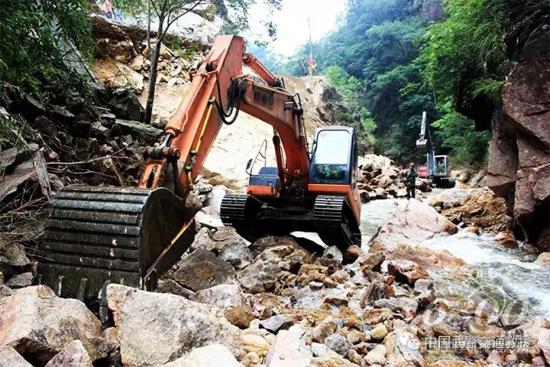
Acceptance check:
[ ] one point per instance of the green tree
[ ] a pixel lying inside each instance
(465, 55)
(458, 133)
(357, 115)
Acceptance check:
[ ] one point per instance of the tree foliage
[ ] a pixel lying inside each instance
(465, 55)
(32, 31)
(405, 63)
(357, 115)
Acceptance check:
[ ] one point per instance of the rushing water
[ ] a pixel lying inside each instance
(507, 279)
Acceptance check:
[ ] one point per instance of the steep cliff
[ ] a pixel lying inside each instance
(519, 153)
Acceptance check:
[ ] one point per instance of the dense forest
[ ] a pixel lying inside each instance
(393, 59)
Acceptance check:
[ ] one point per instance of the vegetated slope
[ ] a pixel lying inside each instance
(375, 57)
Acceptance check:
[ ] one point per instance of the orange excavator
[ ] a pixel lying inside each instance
(98, 235)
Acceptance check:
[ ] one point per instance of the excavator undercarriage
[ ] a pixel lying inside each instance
(327, 215)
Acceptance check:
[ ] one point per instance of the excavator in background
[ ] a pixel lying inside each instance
(436, 169)
(98, 235)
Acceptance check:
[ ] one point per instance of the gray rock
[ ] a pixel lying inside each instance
(338, 343)
(237, 254)
(171, 286)
(20, 280)
(218, 239)
(36, 322)
(12, 258)
(222, 296)
(201, 270)
(211, 355)
(5, 291)
(10, 358)
(175, 326)
(423, 285)
(73, 355)
(145, 133)
(275, 323)
(259, 276)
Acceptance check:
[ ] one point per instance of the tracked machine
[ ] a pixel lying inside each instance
(98, 235)
(436, 169)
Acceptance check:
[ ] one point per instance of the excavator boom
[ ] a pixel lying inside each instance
(97, 235)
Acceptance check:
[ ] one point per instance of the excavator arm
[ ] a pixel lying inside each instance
(98, 235)
(218, 91)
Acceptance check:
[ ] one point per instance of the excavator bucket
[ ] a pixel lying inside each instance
(98, 235)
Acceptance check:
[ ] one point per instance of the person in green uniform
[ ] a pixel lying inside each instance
(410, 181)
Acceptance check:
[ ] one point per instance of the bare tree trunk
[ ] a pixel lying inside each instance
(153, 73)
(149, 24)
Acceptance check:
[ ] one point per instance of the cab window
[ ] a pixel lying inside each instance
(331, 158)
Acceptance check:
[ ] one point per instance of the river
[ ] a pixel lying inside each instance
(506, 279)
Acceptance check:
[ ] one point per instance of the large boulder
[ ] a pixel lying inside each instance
(412, 223)
(428, 258)
(143, 132)
(154, 328)
(38, 324)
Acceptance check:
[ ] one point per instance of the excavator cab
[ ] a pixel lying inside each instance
(334, 156)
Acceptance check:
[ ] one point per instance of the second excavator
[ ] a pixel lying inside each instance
(98, 235)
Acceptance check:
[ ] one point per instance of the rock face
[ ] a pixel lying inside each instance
(520, 149)
(412, 223)
(155, 328)
(37, 323)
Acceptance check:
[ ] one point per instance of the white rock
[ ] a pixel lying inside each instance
(213, 355)
(377, 355)
(222, 296)
(10, 358)
(289, 349)
(413, 222)
(403, 347)
(34, 319)
(155, 328)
